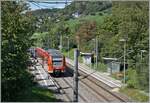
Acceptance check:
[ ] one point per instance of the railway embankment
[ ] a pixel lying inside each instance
(40, 91)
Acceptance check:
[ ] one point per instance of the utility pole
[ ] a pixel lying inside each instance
(48, 43)
(60, 46)
(94, 40)
(124, 62)
(124, 59)
(68, 46)
(75, 81)
(96, 53)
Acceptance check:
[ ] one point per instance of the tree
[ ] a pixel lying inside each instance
(17, 28)
(85, 33)
(129, 20)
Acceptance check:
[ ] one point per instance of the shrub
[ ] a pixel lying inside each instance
(132, 78)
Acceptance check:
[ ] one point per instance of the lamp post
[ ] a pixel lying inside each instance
(124, 59)
(94, 40)
(68, 45)
(96, 51)
(60, 46)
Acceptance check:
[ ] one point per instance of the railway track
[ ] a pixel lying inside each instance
(108, 96)
(59, 90)
(90, 84)
(62, 91)
(104, 90)
(90, 79)
(83, 95)
(112, 83)
(67, 88)
(92, 93)
(80, 96)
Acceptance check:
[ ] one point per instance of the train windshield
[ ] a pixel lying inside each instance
(57, 61)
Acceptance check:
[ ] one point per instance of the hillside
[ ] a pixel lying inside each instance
(81, 7)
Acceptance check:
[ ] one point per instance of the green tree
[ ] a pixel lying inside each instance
(129, 20)
(17, 28)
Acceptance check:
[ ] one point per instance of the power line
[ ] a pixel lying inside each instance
(52, 2)
(42, 5)
(36, 5)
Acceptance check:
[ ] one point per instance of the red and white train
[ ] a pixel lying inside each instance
(54, 59)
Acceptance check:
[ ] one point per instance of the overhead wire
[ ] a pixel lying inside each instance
(52, 2)
(38, 3)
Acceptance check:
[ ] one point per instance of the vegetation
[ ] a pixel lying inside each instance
(117, 20)
(83, 8)
(17, 29)
(135, 94)
(80, 23)
(101, 67)
(16, 81)
(36, 94)
(135, 29)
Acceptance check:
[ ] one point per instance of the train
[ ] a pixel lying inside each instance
(55, 60)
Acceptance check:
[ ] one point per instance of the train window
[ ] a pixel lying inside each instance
(57, 63)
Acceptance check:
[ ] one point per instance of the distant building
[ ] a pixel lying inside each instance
(87, 57)
(76, 15)
(114, 66)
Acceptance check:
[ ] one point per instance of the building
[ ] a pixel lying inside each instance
(87, 57)
(113, 66)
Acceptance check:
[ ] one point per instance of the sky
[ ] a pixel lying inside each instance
(37, 5)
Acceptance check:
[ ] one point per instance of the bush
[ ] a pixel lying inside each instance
(101, 14)
(102, 67)
(132, 78)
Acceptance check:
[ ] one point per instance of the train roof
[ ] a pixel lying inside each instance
(54, 53)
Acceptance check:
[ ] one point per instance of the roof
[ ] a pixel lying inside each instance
(54, 53)
(115, 59)
(86, 54)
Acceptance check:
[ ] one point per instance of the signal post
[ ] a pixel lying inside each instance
(75, 78)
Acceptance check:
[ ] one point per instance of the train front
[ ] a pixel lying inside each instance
(58, 64)
(58, 61)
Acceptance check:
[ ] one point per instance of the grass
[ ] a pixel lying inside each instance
(97, 18)
(118, 76)
(135, 94)
(71, 54)
(100, 67)
(37, 94)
